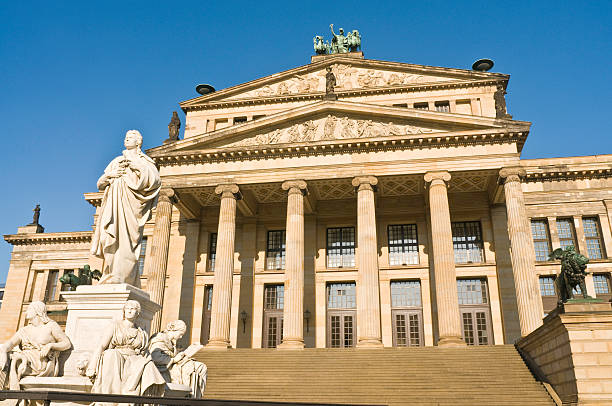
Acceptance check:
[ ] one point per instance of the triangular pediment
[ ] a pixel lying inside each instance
(351, 74)
(338, 121)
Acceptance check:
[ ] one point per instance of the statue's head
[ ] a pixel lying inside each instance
(37, 309)
(131, 310)
(176, 329)
(329, 69)
(341, 31)
(133, 139)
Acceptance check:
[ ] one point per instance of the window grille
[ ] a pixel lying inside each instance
(341, 247)
(467, 242)
(593, 237)
(421, 106)
(602, 284)
(274, 297)
(541, 239)
(565, 229)
(547, 286)
(212, 252)
(238, 120)
(472, 291)
(443, 106)
(405, 294)
(341, 296)
(52, 279)
(141, 256)
(403, 245)
(275, 251)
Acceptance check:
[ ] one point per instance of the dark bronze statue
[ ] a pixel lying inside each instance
(573, 271)
(500, 103)
(36, 217)
(330, 81)
(173, 127)
(85, 277)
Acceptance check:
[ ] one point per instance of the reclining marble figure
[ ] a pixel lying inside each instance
(121, 363)
(131, 184)
(36, 348)
(178, 366)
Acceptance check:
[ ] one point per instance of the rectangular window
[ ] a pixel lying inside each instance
(602, 286)
(405, 105)
(547, 292)
(238, 120)
(421, 106)
(274, 296)
(593, 237)
(341, 296)
(205, 331)
(403, 245)
(567, 236)
(275, 251)
(141, 257)
(442, 106)
(475, 312)
(406, 313)
(341, 315)
(258, 116)
(467, 242)
(51, 286)
(541, 239)
(341, 247)
(212, 252)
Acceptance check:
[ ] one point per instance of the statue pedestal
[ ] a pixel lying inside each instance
(572, 351)
(91, 308)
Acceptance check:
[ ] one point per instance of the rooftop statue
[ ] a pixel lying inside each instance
(38, 346)
(36, 216)
(130, 183)
(173, 128)
(573, 271)
(340, 43)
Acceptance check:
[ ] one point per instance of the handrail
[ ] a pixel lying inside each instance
(48, 396)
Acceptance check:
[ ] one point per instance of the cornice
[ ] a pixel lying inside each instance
(208, 105)
(334, 147)
(94, 198)
(49, 238)
(570, 174)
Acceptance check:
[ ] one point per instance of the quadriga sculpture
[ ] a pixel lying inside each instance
(178, 366)
(37, 344)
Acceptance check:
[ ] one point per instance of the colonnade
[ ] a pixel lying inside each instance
(368, 297)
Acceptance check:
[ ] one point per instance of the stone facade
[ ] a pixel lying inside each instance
(404, 205)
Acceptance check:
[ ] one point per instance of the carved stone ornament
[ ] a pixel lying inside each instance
(295, 186)
(331, 128)
(366, 182)
(228, 190)
(439, 177)
(513, 174)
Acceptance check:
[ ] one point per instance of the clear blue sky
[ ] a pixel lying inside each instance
(75, 76)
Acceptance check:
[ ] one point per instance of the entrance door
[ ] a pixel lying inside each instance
(407, 328)
(341, 315)
(476, 326)
(274, 299)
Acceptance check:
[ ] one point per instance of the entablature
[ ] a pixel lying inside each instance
(70, 237)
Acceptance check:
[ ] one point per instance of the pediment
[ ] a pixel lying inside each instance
(351, 74)
(329, 121)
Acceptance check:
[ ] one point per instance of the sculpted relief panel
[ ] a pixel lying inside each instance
(347, 77)
(331, 128)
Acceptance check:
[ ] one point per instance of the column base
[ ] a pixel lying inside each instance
(451, 342)
(291, 344)
(218, 345)
(369, 343)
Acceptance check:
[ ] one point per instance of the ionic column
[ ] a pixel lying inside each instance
(224, 268)
(368, 289)
(449, 319)
(522, 252)
(157, 262)
(293, 325)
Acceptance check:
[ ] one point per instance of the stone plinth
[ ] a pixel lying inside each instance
(92, 308)
(573, 350)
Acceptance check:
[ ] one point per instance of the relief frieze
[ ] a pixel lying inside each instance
(331, 128)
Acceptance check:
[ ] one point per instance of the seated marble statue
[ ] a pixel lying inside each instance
(178, 366)
(36, 348)
(121, 363)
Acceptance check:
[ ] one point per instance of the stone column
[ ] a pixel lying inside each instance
(368, 289)
(157, 263)
(224, 268)
(449, 319)
(293, 313)
(522, 252)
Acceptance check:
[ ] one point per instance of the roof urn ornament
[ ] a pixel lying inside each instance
(173, 128)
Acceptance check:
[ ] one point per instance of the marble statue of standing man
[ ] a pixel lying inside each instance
(130, 183)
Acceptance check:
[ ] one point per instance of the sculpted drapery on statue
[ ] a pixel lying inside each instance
(38, 346)
(130, 183)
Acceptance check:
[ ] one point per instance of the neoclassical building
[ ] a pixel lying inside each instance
(395, 211)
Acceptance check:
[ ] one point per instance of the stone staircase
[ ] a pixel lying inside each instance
(491, 375)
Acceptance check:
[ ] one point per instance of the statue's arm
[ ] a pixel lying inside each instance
(331, 27)
(102, 345)
(6, 347)
(62, 342)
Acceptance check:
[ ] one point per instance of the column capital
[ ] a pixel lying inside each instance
(167, 195)
(295, 186)
(367, 182)
(512, 174)
(437, 177)
(228, 190)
